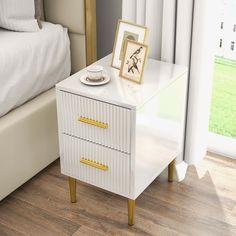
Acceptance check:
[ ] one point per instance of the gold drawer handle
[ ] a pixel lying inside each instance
(93, 164)
(93, 122)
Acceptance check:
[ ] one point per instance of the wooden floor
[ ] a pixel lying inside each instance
(203, 204)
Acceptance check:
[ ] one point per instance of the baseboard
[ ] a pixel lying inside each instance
(222, 145)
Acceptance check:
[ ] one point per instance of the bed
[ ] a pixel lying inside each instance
(28, 122)
(31, 64)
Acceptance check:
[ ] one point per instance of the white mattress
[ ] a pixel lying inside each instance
(31, 63)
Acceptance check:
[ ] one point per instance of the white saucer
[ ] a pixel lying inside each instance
(84, 79)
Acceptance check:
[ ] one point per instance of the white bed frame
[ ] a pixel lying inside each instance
(28, 134)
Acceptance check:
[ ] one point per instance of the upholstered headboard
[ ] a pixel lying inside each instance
(79, 16)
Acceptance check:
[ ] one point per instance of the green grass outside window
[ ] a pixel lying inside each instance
(223, 107)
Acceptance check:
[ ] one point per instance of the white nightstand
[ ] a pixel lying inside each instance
(122, 135)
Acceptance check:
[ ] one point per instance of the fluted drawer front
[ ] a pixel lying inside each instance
(92, 163)
(93, 120)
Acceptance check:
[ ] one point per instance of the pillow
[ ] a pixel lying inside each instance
(18, 15)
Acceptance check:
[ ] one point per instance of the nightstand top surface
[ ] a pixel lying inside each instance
(157, 76)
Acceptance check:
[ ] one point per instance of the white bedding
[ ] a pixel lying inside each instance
(31, 63)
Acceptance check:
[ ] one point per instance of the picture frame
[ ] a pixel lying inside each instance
(134, 60)
(126, 30)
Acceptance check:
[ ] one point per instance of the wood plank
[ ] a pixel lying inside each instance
(203, 204)
(6, 231)
(32, 220)
(85, 231)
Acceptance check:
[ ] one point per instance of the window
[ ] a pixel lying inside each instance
(221, 42)
(222, 25)
(232, 46)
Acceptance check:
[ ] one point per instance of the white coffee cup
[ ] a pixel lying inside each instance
(95, 72)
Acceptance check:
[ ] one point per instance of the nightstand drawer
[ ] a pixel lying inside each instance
(95, 121)
(95, 164)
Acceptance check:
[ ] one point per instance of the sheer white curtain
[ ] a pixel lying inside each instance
(183, 32)
(149, 13)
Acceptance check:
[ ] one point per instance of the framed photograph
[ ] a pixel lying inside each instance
(134, 59)
(126, 30)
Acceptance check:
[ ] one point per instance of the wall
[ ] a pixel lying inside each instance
(108, 13)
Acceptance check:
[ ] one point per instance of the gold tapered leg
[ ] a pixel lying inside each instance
(131, 211)
(72, 185)
(171, 169)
